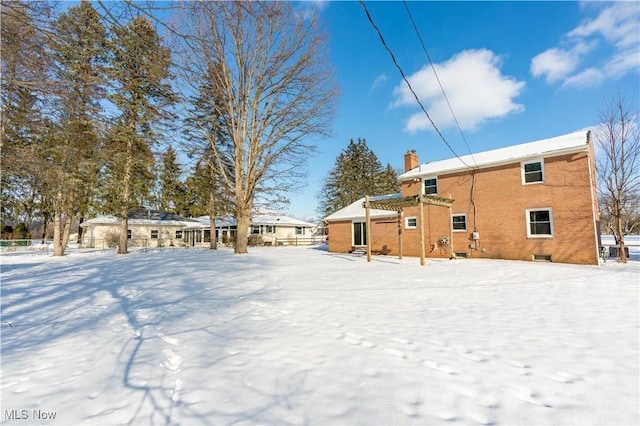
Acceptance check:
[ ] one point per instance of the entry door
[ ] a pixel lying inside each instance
(359, 234)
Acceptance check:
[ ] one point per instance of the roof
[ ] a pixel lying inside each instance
(279, 220)
(356, 210)
(224, 221)
(112, 220)
(566, 144)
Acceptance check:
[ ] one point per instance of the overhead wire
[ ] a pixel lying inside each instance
(406, 80)
(435, 73)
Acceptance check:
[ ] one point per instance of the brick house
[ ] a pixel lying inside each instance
(534, 201)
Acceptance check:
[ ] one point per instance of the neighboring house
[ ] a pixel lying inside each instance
(264, 229)
(158, 229)
(534, 201)
(146, 228)
(273, 227)
(199, 232)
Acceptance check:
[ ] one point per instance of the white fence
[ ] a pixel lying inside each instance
(8, 246)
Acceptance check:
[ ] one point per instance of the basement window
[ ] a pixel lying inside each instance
(542, 258)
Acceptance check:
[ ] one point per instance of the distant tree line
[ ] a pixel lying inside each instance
(99, 100)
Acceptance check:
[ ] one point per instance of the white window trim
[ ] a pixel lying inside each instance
(465, 222)
(522, 164)
(527, 215)
(406, 222)
(424, 192)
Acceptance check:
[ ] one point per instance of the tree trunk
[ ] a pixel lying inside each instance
(58, 247)
(80, 230)
(122, 238)
(58, 250)
(66, 230)
(213, 241)
(243, 219)
(623, 255)
(126, 194)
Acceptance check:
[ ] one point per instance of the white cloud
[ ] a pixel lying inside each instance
(556, 64)
(379, 81)
(616, 28)
(475, 87)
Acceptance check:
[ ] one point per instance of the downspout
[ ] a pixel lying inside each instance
(476, 243)
(592, 188)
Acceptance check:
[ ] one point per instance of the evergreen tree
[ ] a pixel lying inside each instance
(357, 172)
(140, 68)
(172, 190)
(79, 49)
(25, 70)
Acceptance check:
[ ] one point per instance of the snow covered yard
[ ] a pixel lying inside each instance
(302, 336)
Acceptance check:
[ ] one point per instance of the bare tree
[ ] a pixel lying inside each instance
(279, 93)
(618, 139)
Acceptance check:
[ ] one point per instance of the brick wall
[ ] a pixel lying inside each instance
(500, 215)
(501, 204)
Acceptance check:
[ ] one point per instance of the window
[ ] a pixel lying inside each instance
(539, 223)
(299, 230)
(154, 234)
(430, 186)
(128, 234)
(411, 223)
(255, 229)
(532, 172)
(270, 229)
(359, 234)
(459, 222)
(179, 235)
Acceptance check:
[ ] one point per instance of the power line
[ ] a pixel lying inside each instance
(424, 48)
(404, 77)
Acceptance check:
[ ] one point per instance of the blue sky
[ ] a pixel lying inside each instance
(513, 72)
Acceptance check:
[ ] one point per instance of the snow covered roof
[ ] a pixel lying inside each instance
(223, 221)
(570, 143)
(355, 210)
(279, 220)
(113, 220)
(220, 221)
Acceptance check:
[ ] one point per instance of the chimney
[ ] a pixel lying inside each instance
(410, 160)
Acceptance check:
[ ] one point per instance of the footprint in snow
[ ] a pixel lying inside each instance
(395, 352)
(170, 340)
(172, 360)
(438, 366)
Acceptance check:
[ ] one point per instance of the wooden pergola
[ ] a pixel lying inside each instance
(398, 205)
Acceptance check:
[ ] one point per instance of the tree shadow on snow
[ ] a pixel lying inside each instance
(149, 301)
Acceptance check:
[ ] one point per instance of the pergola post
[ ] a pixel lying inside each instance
(451, 256)
(367, 226)
(398, 205)
(421, 213)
